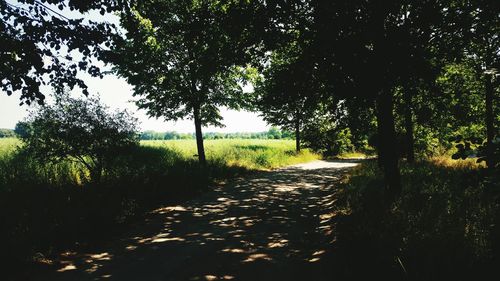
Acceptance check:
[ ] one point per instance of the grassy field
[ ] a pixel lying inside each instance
(253, 154)
(250, 154)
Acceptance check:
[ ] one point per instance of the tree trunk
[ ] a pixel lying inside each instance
(410, 140)
(490, 133)
(387, 146)
(297, 135)
(199, 138)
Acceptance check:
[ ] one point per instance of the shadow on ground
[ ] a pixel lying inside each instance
(274, 225)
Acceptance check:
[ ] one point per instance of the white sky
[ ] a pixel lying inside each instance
(117, 93)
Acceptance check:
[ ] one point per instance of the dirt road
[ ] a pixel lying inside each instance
(268, 226)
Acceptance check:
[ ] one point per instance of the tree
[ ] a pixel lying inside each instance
(7, 133)
(22, 129)
(81, 130)
(283, 96)
(181, 61)
(41, 46)
(286, 93)
(366, 49)
(483, 47)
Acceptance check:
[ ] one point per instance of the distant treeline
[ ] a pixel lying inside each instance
(272, 133)
(7, 133)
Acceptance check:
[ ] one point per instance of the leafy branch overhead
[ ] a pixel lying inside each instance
(41, 46)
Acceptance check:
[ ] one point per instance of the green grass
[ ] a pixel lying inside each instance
(352, 155)
(7, 145)
(250, 154)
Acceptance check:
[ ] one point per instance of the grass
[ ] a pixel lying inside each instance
(444, 226)
(46, 208)
(352, 155)
(249, 154)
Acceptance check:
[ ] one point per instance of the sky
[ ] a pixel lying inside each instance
(117, 94)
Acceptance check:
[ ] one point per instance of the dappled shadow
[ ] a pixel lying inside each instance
(270, 226)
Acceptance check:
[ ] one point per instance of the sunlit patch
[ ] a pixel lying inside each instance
(314, 260)
(227, 277)
(233, 250)
(318, 253)
(161, 240)
(106, 276)
(210, 277)
(170, 209)
(68, 267)
(278, 244)
(249, 222)
(255, 257)
(284, 189)
(326, 216)
(101, 257)
(93, 268)
(144, 240)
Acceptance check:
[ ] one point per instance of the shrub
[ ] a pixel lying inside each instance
(80, 130)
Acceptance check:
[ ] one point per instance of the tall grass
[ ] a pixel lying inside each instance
(250, 154)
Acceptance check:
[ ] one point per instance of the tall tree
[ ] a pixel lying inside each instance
(180, 58)
(367, 49)
(285, 94)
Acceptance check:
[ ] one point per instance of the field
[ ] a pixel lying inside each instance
(250, 154)
(47, 207)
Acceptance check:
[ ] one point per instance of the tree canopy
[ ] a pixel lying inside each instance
(181, 60)
(41, 46)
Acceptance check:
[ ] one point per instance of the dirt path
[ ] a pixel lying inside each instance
(269, 226)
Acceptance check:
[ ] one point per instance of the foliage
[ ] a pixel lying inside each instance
(22, 129)
(81, 130)
(42, 46)
(272, 133)
(7, 133)
(181, 60)
(476, 147)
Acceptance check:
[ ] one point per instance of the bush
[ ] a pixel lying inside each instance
(79, 130)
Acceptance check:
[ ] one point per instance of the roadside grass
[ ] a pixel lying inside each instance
(46, 208)
(352, 155)
(445, 225)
